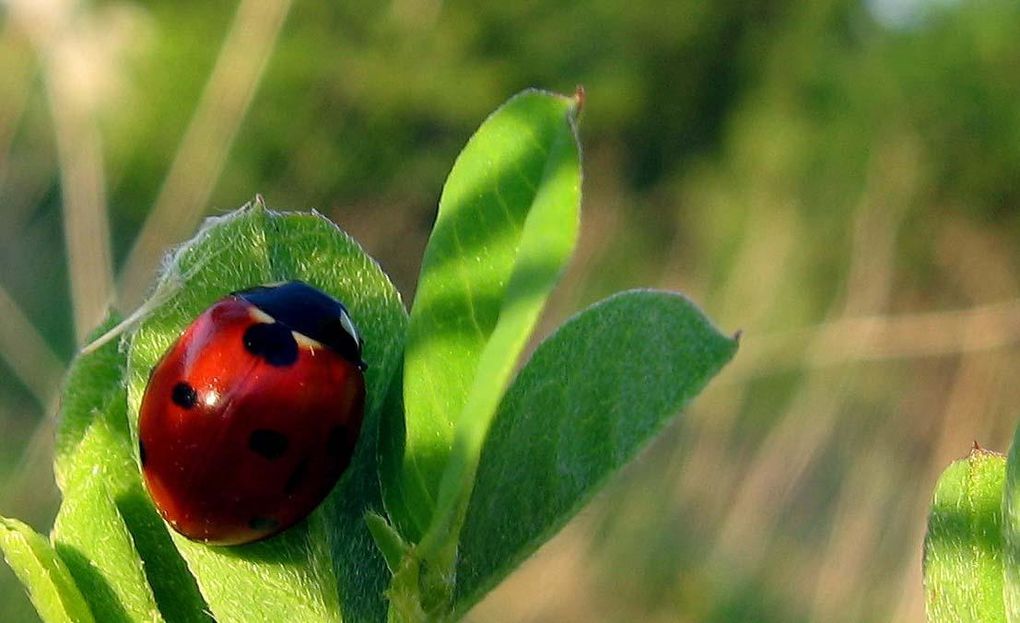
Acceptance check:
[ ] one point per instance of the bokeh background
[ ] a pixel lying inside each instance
(840, 179)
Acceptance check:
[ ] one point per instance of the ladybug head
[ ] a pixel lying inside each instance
(310, 312)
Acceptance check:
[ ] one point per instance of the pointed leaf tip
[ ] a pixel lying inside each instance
(579, 99)
(963, 550)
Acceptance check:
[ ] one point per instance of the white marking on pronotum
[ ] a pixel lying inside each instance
(306, 342)
(260, 316)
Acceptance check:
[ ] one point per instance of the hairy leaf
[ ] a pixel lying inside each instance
(93, 382)
(90, 536)
(1011, 533)
(963, 548)
(304, 573)
(50, 586)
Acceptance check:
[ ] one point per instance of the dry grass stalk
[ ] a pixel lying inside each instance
(206, 143)
(60, 36)
(26, 352)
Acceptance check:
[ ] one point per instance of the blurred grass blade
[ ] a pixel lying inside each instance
(53, 592)
(507, 223)
(27, 354)
(206, 143)
(83, 189)
(59, 35)
(590, 398)
(299, 574)
(963, 574)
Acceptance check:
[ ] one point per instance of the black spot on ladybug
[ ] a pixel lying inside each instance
(184, 395)
(296, 477)
(263, 523)
(268, 443)
(273, 342)
(141, 453)
(336, 443)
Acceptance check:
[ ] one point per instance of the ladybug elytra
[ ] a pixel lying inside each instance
(251, 416)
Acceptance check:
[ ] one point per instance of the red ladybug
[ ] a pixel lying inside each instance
(251, 416)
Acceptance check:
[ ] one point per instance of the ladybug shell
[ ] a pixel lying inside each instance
(247, 423)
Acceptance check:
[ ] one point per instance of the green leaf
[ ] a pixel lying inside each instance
(93, 381)
(507, 222)
(298, 574)
(361, 570)
(963, 574)
(93, 442)
(90, 536)
(389, 541)
(1011, 532)
(50, 586)
(590, 398)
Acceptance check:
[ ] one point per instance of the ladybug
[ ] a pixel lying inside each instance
(251, 416)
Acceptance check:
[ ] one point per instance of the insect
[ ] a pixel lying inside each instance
(252, 415)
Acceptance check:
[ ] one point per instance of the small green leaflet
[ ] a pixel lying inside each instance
(963, 548)
(507, 223)
(590, 398)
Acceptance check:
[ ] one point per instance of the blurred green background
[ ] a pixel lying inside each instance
(839, 179)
